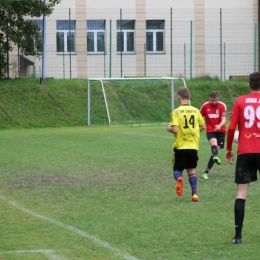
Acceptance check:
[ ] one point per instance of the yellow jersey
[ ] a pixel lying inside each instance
(188, 119)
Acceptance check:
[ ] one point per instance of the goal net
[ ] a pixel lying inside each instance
(119, 101)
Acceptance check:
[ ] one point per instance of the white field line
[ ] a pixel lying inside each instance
(51, 256)
(48, 253)
(157, 136)
(71, 228)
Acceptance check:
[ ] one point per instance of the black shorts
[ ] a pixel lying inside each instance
(220, 136)
(247, 166)
(184, 159)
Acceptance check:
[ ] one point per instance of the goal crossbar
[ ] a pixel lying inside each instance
(109, 79)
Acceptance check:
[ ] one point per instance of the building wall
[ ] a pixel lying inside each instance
(201, 37)
(140, 37)
(81, 42)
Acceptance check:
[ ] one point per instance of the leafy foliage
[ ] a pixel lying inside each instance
(14, 30)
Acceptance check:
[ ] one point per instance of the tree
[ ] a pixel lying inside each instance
(14, 30)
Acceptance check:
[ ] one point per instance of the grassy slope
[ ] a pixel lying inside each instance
(24, 103)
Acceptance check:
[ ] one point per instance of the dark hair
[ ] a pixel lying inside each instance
(213, 94)
(254, 80)
(184, 92)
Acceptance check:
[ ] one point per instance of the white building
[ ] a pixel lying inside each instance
(118, 38)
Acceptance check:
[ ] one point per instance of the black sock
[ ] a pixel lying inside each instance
(210, 164)
(239, 210)
(214, 150)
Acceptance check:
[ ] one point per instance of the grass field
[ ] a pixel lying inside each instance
(107, 193)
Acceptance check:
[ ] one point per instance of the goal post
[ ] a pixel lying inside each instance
(130, 100)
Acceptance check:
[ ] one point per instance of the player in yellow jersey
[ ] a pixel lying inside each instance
(186, 125)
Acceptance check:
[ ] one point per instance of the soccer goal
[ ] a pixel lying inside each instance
(120, 101)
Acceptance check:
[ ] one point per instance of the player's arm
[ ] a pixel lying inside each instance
(222, 122)
(230, 137)
(202, 111)
(202, 127)
(172, 129)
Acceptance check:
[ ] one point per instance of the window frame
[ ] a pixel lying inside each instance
(40, 25)
(155, 37)
(66, 36)
(95, 32)
(125, 33)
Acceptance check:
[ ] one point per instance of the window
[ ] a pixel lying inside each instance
(32, 39)
(154, 36)
(65, 35)
(125, 36)
(96, 36)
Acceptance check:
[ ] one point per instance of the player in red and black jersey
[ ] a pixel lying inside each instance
(214, 112)
(246, 116)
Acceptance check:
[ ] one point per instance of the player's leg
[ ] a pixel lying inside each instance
(193, 184)
(212, 139)
(214, 150)
(220, 140)
(190, 165)
(209, 166)
(247, 166)
(177, 171)
(239, 211)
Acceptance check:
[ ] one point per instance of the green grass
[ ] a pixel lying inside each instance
(107, 193)
(28, 104)
(24, 103)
